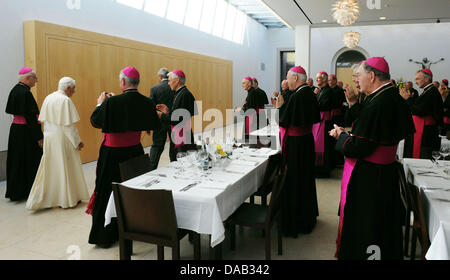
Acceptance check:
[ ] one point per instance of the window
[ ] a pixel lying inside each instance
(219, 19)
(207, 21)
(176, 10)
(287, 62)
(216, 17)
(137, 4)
(229, 25)
(193, 13)
(239, 27)
(156, 7)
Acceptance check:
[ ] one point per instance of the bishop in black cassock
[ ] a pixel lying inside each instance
(183, 109)
(25, 138)
(262, 101)
(121, 118)
(427, 111)
(371, 218)
(297, 116)
(251, 104)
(323, 142)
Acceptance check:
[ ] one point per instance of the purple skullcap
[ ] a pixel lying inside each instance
(25, 70)
(131, 72)
(378, 63)
(298, 70)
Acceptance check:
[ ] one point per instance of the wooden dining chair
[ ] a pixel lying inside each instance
(134, 167)
(271, 171)
(260, 217)
(406, 203)
(419, 229)
(148, 216)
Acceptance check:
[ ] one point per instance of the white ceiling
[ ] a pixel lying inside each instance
(312, 12)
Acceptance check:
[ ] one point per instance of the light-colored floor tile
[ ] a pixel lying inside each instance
(49, 233)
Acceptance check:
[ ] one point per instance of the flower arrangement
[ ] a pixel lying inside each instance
(220, 152)
(401, 82)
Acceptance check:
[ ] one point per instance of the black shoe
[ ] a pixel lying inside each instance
(104, 245)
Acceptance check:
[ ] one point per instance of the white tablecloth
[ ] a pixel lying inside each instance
(401, 146)
(435, 190)
(269, 131)
(204, 207)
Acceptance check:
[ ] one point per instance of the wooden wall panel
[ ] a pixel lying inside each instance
(94, 60)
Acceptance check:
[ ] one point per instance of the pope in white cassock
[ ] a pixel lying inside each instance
(60, 179)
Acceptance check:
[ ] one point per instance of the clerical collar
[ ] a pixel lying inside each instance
(429, 85)
(300, 87)
(378, 89)
(180, 89)
(22, 84)
(130, 90)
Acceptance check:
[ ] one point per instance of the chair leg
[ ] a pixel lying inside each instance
(407, 232)
(160, 253)
(280, 238)
(264, 200)
(130, 247)
(267, 240)
(232, 237)
(413, 245)
(176, 252)
(252, 199)
(124, 249)
(197, 247)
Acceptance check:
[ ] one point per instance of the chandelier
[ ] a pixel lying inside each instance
(346, 12)
(351, 39)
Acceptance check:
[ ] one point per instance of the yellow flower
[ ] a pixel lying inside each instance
(218, 147)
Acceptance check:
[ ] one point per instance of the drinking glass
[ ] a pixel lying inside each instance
(444, 152)
(181, 157)
(436, 155)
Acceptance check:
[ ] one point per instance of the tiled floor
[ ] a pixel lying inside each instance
(63, 233)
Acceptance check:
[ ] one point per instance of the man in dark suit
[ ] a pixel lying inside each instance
(161, 94)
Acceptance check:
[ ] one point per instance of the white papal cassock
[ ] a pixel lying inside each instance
(60, 179)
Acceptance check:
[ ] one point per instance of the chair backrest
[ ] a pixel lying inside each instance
(272, 169)
(146, 212)
(277, 191)
(416, 205)
(135, 167)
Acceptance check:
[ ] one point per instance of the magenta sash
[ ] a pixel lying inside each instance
(259, 108)
(248, 124)
(125, 139)
(319, 136)
(446, 120)
(293, 131)
(21, 119)
(420, 123)
(180, 134)
(335, 112)
(382, 155)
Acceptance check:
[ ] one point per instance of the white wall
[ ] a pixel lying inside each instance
(397, 43)
(108, 17)
(277, 39)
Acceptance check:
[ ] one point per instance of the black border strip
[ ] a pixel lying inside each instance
(295, 1)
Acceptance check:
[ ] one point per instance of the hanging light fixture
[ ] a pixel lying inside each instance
(351, 39)
(346, 12)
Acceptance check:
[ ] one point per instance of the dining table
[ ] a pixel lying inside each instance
(205, 197)
(433, 180)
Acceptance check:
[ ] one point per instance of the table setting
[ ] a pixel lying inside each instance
(206, 194)
(432, 177)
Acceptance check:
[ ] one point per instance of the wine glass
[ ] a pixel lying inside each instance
(181, 157)
(436, 155)
(444, 152)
